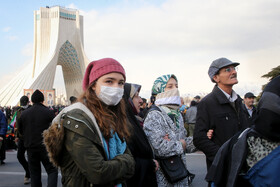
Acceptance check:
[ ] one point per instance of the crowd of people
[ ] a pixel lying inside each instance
(111, 136)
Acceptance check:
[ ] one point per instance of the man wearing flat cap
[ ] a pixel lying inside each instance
(31, 124)
(248, 108)
(220, 111)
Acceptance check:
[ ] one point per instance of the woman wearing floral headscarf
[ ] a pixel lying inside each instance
(165, 128)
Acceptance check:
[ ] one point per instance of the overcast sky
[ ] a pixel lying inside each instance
(152, 38)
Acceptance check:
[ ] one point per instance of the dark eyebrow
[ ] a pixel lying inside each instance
(112, 78)
(171, 84)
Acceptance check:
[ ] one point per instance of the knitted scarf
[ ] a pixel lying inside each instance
(170, 102)
(113, 147)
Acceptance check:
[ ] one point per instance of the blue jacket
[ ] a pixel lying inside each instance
(3, 124)
(266, 172)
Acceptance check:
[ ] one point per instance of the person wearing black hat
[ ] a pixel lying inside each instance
(252, 157)
(31, 124)
(248, 108)
(73, 99)
(19, 139)
(220, 111)
(197, 98)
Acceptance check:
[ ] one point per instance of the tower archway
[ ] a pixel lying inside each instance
(71, 68)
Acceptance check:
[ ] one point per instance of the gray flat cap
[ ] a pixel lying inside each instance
(219, 64)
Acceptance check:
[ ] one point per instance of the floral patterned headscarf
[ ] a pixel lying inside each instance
(160, 83)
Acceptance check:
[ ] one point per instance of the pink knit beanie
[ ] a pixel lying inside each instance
(98, 68)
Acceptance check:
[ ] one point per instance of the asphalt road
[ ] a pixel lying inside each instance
(12, 174)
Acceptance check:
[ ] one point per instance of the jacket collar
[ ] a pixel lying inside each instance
(231, 97)
(221, 97)
(246, 109)
(82, 107)
(38, 104)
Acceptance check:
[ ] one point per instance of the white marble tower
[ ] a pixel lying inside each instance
(58, 40)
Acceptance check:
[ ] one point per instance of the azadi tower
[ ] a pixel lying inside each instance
(58, 40)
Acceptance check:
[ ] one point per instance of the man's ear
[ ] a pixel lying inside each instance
(216, 78)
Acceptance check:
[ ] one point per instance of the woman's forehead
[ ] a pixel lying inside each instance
(113, 75)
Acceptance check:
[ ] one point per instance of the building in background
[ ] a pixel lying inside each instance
(58, 40)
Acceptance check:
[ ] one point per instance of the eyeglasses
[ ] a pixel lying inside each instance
(230, 69)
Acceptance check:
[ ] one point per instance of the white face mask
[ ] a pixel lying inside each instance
(110, 95)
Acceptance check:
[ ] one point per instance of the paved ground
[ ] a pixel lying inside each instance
(12, 174)
(197, 165)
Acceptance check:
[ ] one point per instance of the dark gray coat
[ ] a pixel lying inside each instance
(250, 119)
(215, 112)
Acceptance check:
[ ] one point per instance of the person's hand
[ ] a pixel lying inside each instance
(1, 139)
(184, 144)
(166, 137)
(210, 133)
(157, 165)
(16, 140)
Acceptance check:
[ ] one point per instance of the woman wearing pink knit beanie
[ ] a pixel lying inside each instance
(94, 150)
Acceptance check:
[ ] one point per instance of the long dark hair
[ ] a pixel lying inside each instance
(108, 117)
